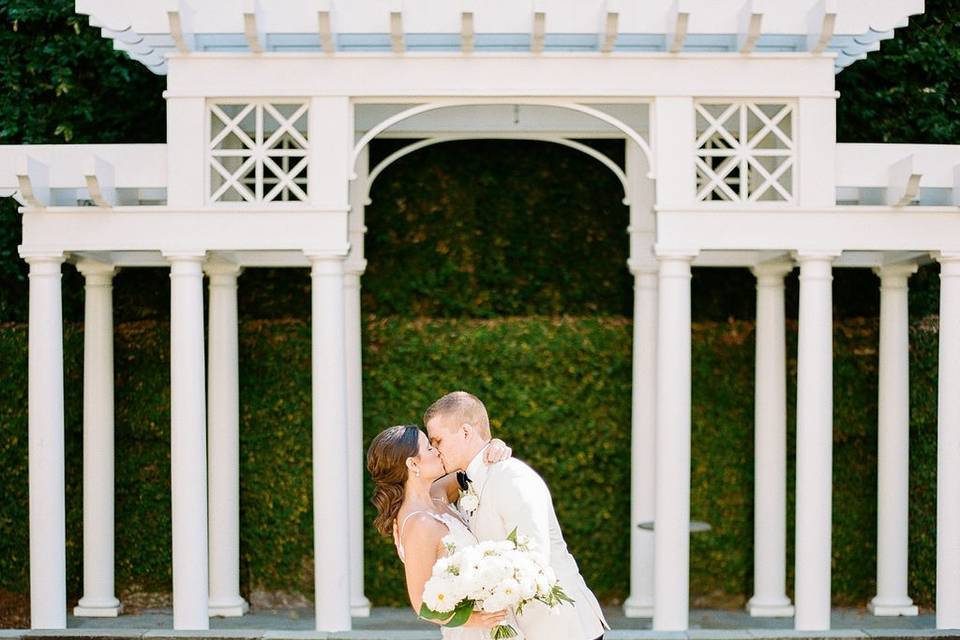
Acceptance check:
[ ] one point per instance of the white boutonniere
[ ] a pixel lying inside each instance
(469, 501)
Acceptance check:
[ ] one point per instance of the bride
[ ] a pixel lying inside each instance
(413, 495)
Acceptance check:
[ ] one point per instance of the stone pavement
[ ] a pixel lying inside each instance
(401, 624)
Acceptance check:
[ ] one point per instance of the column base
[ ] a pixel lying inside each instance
(770, 607)
(638, 608)
(98, 608)
(228, 607)
(892, 607)
(360, 608)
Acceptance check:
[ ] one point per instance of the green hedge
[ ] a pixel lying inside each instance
(558, 390)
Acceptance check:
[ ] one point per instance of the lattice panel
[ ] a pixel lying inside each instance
(258, 152)
(745, 152)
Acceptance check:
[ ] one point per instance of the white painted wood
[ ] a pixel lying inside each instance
(187, 137)
(330, 440)
(99, 177)
(672, 119)
(98, 598)
(893, 435)
(158, 228)
(751, 22)
(642, 444)
(904, 183)
(188, 446)
(611, 28)
(466, 31)
(48, 587)
(253, 26)
(678, 22)
(672, 522)
(573, 144)
(331, 164)
(33, 181)
(839, 228)
(501, 75)
(325, 31)
(769, 598)
(822, 24)
(354, 267)
(956, 185)
(223, 427)
(868, 165)
(180, 18)
(396, 32)
(814, 135)
(814, 443)
(948, 445)
(538, 32)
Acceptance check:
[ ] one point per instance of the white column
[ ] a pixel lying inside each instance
(770, 447)
(893, 440)
(331, 493)
(672, 522)
(353, 270)
(188, 451)
(223, 426)
(642, 442)
(814, 443)
(98, 451)
(48, 591)
(948, 446)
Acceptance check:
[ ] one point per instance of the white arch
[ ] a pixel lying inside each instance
(433, 106)
(420, 144)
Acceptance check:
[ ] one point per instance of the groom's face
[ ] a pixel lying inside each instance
(447, 442)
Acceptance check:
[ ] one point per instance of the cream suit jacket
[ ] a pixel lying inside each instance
(514, 495)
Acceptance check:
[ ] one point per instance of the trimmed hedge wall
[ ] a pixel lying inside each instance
(558, 390)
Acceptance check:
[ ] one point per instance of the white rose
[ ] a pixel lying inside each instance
(469, 502)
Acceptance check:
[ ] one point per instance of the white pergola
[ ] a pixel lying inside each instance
(727, 112)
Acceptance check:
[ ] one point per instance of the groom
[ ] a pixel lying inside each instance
(507, 495)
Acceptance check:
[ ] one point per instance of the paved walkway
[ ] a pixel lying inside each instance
(401, 624)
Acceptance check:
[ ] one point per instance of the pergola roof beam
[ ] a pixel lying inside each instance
(678, 22)
(539, 34)
(751, 22)
(252, 26)
(904, 183)
(823, 21)
(33, 179)
(611, 26)
(322, 10)
(466, 31)
(100, 178)
(396, 30)
(180, 17)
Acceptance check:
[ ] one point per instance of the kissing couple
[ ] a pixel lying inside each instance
(454, 487)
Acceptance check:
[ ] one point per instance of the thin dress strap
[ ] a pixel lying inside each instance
(398, 531)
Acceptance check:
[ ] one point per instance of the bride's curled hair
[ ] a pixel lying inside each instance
(387, 464)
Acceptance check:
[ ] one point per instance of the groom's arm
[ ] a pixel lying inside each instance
(524, 503)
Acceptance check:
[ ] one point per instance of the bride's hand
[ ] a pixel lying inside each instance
(497, 451)
(485, 620)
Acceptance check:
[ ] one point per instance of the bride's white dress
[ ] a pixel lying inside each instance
(461, 536)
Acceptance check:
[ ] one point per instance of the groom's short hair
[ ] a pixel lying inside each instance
(466, 406)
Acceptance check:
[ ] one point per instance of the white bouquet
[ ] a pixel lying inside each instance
(489, 576)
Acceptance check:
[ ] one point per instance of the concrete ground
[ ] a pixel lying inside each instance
(401, 624)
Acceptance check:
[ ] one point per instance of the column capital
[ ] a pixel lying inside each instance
(814, 255)
(354, 267)
(674, 253)
(185, 255)
(772, 272)
(949, 262)
(35, 256)
(96, 272)
(895, 275)
(221, 270)
(643, 267)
